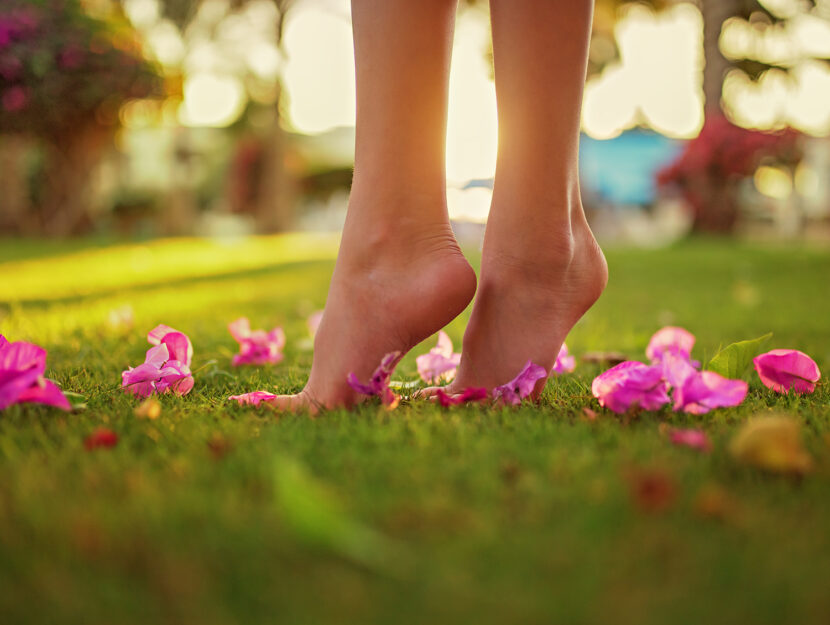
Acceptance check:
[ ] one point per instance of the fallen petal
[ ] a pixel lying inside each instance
(670, 339)
(252, 399)
(45, 392)
(521, 386)
(468, 395)
(565, 363)
(101, 438)
(706, 390)
(696, 439)
(783, 370)
(631, 384)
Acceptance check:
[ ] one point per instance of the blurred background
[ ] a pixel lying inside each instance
(222, 118)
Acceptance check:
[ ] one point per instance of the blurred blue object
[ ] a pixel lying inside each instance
(622, 170)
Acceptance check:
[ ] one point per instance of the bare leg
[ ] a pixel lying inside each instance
(541, 267)
(400, 275)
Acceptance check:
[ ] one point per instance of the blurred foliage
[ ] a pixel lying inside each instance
(61, 67)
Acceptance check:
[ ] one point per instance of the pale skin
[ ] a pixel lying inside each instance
(400, 275)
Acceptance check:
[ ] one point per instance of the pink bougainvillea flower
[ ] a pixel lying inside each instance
(440, 363)
(21, 376)
(670, 340)
(676, 369)
(706, 390)
(378, 385)
(468, 395)
(696, 439)
(178, 345)
(101, 438)
(565, 363)
(166, 366)
(631, 384)
(313, 322)
(783, 370)
(256, 347)
(521, 386)
(252, 399)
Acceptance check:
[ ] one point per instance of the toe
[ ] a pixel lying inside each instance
(300, 402)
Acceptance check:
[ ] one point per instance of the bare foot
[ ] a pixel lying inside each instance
(535, 285)
(394, 285)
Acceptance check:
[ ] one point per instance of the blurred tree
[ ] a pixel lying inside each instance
(63, 76)
(260, 182)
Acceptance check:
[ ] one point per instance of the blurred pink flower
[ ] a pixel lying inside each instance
(14, 99)
(783, 370)
(440, 363)
(256, 347)
(678, 341)
(696, 439)
(565, 363)
(705, 390)
(252, 399)
(378, 385)
(631, 384)
(521, 386)
(21, 376)
(466, 396)
(166, 366)
(313, 322)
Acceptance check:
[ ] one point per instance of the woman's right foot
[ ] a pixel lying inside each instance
(394, 285)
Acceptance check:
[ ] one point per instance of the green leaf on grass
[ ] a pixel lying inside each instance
(733, 360)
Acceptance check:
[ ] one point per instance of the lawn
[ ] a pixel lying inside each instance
(216, 513)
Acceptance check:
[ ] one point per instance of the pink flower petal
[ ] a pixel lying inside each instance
(670, 339)
(21, 376)
(378, 385)
(240, 329)
(696, 439)
(629, 385)
(468, 395)
(565, 363)
(175, 376)
(177, 342)
(313, 322)
(707, 390)
(140, 381)
(252, 399)
(783, 370)
(157, 356)
(256, 347)
(45, 392)
(521, 386)
(676, 369)
(440, 363)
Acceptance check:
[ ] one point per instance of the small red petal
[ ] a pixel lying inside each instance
(102, 437)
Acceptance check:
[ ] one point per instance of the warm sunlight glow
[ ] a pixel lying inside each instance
(472, 127)
(319, 70)
(773, 182)
(212, 100)
(657, 80)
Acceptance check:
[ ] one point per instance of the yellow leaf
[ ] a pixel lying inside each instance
(772, 444)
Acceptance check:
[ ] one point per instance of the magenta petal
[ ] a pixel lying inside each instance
(676, 369)
(631, 384)
(179, 347)
(157, 356)
(3, 342)
(379, 383)
(155, 335)
(21, 356)
(468, 395)
(696, 439)
(521, 386)
(565, 363)
(140, 381)
(176, 377)
(670, 339)
(707, 390)
(252, 399)
(783, 370)
(46, 392)
(240, 329)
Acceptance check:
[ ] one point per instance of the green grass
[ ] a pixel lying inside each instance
(215, 513)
